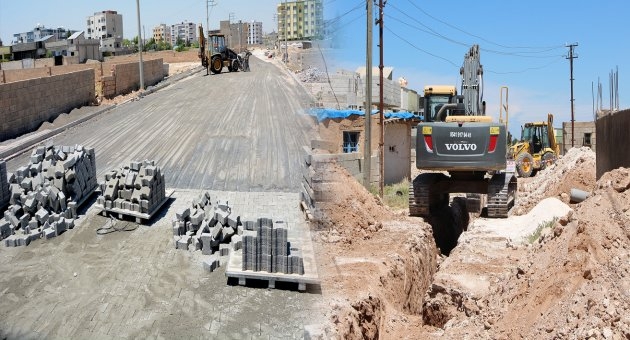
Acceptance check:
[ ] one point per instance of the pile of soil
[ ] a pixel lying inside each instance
(375, 267)
(576, 169)
(574, 282)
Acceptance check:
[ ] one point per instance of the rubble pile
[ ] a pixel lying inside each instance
(45, 193)
(575, 169)
(311, 75)
(137, 188)
(216, 231)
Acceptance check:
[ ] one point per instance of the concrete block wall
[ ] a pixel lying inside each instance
(127, 75)
(25, 105)
(580, 129)
(613, 140)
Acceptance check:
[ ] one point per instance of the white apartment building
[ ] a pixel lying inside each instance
(255, 33)
(187, 31)
(105, 24)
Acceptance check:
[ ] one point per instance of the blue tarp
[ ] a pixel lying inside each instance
(323, 114)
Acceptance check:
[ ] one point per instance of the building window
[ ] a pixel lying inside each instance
(350, 141)
(587, 139)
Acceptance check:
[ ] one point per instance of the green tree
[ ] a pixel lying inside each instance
(126, 42)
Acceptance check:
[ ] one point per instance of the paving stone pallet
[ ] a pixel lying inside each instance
(137, 190)
(218, 232)
(44, 195)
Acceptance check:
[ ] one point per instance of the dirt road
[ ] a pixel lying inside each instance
(238, 135)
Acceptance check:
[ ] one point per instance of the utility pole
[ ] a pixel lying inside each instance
(285, 58)
(367, 151)
(240, 34)
(140, 47)
(209, 3)
(381, 105)
(572, 56)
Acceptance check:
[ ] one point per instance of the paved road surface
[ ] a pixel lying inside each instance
(231, 132)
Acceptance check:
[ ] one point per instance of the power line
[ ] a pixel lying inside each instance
(339, 17)
(419, 49)
(479, 37)
(525, 69)
(429, 30)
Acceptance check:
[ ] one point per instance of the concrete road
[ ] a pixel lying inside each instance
(231, 132)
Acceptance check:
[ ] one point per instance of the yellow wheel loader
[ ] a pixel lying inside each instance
(537, 148)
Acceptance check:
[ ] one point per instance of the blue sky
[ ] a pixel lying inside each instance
(537, 76)
(23, 15)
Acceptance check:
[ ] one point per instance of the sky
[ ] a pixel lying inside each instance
(24, 15)
(522, 46)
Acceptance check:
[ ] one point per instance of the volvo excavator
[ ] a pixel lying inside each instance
(461, 150)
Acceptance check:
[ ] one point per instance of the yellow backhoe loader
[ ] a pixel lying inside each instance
(537, 148)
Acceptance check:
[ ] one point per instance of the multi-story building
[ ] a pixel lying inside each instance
(236, 34)
(186, 31)
(40, 32)
(105, 24)
(162, 32)
(299, 20)
(255, 33)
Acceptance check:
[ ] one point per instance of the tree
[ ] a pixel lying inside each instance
(126, 43)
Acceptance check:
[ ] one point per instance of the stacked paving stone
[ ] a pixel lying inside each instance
(45, 193)
(137, 188)
(265, 248)
(216, 230)
(4, 185)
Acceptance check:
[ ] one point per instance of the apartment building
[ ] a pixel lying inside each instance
(105, 24)
(186, 31)
(298, 20)
(162, 32)
(255, 33)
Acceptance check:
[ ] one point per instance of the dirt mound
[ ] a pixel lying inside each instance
(351, 212)
(574, 282)
(576, 169)
(375, 266)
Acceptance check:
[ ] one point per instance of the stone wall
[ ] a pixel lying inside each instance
(25, 105)
(613, 140)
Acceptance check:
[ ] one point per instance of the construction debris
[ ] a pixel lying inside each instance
(137, 190)
(45, 194)
(311, 75)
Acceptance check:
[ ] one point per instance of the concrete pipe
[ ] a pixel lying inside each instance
(578, 195)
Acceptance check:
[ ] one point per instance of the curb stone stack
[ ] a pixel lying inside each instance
(137, 188)
(45, 194)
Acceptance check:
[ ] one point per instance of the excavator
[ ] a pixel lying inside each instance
(215, 54)
(537, 148)
(461, 150)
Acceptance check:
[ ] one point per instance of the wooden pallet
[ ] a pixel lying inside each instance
(140, 217)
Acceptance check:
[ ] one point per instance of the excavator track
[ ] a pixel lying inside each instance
(501, 195)
(420, 201)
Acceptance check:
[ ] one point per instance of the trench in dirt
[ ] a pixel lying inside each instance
(369, 314)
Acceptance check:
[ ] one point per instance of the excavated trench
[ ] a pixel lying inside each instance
(408, 283)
